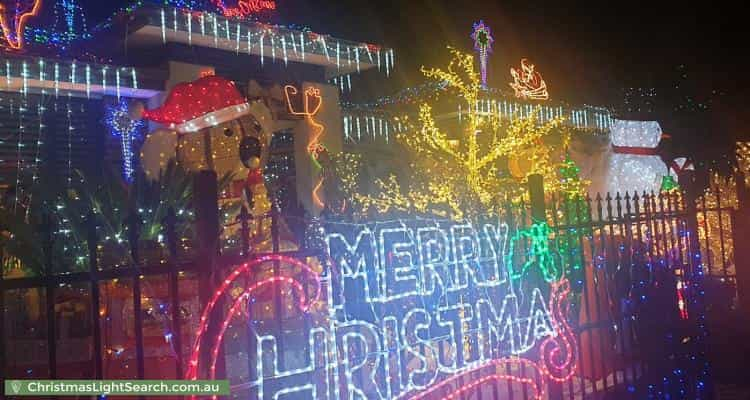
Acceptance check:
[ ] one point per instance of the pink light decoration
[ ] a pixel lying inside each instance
(245, 8)
(528, 83)
(550, 366)
(681, 303)
(236, 308)
(193, 363)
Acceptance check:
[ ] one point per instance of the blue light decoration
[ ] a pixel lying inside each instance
(118, 120)
(406, 308)
(482, 36)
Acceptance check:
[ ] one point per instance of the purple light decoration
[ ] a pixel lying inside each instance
(482, 36)
(117, 118)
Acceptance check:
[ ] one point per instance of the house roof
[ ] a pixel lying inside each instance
(271, 43)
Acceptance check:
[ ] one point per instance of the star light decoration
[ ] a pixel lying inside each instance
(460, 175)
(482, 36)
(118, 120)
(528, 83)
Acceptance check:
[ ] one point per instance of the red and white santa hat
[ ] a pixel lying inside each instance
(206, 102)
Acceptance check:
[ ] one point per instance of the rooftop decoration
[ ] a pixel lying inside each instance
(244, 8)
(528, 83)
(483, 40)
(65, 76)
(271, 43)
(13, 18)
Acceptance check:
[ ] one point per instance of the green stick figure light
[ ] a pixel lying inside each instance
(539, 253)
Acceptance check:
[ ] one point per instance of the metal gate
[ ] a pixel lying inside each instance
(633, 262)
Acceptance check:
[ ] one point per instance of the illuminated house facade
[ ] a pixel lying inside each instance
(244, 281)
(164, 47)
(62, 116)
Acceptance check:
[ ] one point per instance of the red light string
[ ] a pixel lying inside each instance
(245, 8)
(236, 308)
(559, 304)
(192, 370)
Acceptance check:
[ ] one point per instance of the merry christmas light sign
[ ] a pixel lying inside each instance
(408, 307)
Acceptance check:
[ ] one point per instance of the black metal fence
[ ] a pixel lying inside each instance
(634, 260)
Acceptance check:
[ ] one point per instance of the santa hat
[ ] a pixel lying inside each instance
(680, 165)
(206, 102)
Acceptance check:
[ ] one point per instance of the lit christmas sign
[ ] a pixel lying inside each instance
(245, 8)
(409, 307)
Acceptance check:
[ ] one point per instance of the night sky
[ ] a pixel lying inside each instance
(588, 52)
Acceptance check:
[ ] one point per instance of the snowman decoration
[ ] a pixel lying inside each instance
(634, 165)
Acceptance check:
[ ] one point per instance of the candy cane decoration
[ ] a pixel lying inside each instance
(193, 364)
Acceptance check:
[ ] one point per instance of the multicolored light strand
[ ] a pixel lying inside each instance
(315, 148)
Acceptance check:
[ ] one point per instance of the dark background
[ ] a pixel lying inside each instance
(691, 57)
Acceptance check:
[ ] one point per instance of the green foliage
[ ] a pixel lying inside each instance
(59, 218)
(19, 241)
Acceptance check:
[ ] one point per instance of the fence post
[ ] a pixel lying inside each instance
(46, 229)
(539, 214)
(207, 229)
(740, 233)
(134, 232)
(174, 285)
(91, 239)
(3, 338)
(536, 197)
(245, 230)
(694, 186)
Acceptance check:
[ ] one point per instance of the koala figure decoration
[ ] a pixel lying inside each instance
(209, 125)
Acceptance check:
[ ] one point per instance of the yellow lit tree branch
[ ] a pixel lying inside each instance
(462, 174)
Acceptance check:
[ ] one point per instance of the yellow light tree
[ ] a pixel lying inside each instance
(458, 174)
